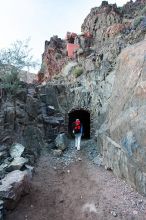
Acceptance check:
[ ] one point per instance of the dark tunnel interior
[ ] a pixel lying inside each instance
(84, 117)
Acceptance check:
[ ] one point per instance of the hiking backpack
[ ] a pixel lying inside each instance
(77, 127)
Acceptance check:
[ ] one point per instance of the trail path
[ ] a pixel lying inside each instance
(78, 191)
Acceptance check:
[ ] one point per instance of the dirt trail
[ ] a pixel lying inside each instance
(79, 191)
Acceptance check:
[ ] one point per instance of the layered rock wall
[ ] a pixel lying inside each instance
(124, 141)
(31, 118)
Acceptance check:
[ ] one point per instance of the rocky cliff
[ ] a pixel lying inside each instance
(124, 134)
(111, 29)
(105, 77)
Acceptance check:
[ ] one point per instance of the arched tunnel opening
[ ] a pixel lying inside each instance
(84, 117)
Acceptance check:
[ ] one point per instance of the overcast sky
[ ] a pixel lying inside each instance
(41, 19)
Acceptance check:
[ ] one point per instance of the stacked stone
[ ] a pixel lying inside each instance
(15, 177)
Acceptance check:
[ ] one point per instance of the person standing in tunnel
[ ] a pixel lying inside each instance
(77, 131)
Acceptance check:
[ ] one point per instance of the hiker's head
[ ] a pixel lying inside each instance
(77, 119)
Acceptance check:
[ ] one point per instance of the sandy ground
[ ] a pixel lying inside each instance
(79, 191)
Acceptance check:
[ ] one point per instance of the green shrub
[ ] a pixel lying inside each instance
(143, 11)
(10, 82)
(137, 21)
(77, 71)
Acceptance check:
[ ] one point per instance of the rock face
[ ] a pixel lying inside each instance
(124, 143)
(53, 58)
(100, 18)
(33, 121)
(105, 32)
(110, 16)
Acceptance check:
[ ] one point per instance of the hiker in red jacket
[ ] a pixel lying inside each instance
(77, 131)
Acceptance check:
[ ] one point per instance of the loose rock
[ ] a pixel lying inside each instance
(114, 213)
(14, 185)
(17, 150)
(61, 142)
(57, 153)
(17, 163)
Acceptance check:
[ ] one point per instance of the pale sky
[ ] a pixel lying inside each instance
(41, 19)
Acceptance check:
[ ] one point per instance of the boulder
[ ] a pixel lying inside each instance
(57, 153)
(61, 141)
(13, 186)
(33, 139)
(17, 150)
(17, 164)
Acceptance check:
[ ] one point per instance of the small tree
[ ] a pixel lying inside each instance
(13, 60)
(18, 55)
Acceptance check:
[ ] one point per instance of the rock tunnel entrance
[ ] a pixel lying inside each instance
(84, 117)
